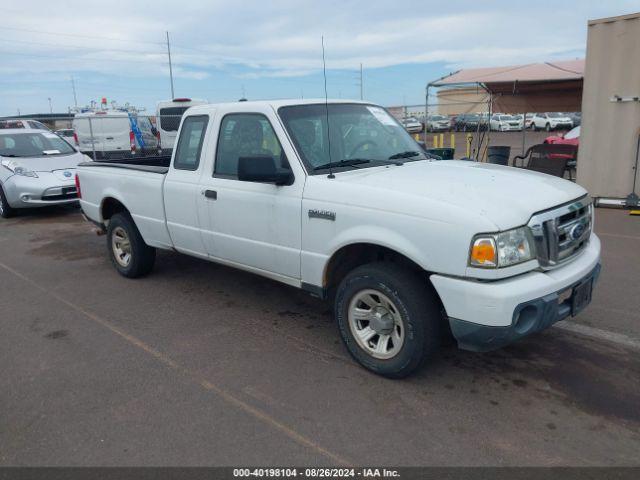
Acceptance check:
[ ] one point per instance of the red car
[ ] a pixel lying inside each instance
(572, 137)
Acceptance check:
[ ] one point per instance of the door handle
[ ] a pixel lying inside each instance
(109, 138)
(212, 194)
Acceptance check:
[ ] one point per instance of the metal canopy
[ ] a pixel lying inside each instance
(534, 87)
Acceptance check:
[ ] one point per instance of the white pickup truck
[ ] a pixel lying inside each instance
(337, 199)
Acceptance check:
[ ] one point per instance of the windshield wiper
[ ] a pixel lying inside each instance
(349, 162)
(407, 154)
(9, 155)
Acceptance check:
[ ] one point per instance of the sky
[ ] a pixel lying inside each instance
(224, 50)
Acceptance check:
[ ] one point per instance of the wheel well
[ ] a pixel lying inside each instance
(111, 206)
(355, 255)
(352, 256)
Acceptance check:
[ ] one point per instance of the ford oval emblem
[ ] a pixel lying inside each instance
(68, 174)
(577, 230)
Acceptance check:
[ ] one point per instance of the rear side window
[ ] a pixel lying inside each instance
(189, 147)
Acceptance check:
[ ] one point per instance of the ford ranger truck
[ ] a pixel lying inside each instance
(337, 199)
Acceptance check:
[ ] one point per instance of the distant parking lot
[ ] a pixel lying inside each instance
(199, 364)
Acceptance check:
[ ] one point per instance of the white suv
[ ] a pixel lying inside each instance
(551, 121)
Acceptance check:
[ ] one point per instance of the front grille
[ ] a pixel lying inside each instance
(562, 233)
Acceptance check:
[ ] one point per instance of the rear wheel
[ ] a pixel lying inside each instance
(129, 254)
(5, 209)
(389, 318)
(547, 127)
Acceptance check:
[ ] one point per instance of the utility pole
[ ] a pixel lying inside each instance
(73, 87)
(170, 67)
(361, 84)
(50, 106)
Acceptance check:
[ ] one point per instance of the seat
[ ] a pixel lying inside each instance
(552, 159)
(245, 140)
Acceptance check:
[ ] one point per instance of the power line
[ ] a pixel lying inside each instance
(80, 36)
(83, 47)
(67, 57)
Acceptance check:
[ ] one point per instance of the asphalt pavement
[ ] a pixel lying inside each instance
(200, 364)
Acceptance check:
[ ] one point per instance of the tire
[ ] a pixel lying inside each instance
(131, 257)
(412, 317)
(533, 126)
(547, 127)
(6, 211)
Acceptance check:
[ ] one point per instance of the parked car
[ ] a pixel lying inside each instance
(576, 118)
(504, 123)
(116, 134)
(37, 168)
(412, 125)
(520, 119)
(572, 137)
(438, 123)
(168, 116)
(550, 121)
(68, 135)
(407, 248)
(470, 122)
(528, 118)
(23, 123)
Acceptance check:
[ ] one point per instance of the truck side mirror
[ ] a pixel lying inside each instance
(262, 168)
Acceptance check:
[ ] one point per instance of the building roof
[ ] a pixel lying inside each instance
(630, 16)
(532, 72)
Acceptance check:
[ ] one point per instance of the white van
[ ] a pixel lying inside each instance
(168, 116)
(116, 134)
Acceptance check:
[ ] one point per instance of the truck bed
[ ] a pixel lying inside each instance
(154, 164)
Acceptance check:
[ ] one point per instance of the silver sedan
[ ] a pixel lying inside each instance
(37, 168)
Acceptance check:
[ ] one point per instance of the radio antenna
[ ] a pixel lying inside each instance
(326, 109)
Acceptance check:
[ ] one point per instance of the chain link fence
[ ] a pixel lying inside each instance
(453, 129)
(108, 135)
(458, 127)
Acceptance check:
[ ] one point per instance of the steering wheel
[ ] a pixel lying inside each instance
(360, 145)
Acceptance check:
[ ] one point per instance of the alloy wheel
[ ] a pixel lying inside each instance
(121, 246)
(376, 324)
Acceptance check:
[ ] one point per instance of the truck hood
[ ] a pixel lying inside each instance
(48, 163)
(506, 196)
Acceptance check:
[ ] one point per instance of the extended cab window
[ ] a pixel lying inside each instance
(246, 135)
(190, 143)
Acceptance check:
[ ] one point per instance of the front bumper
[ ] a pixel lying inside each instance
(488, 315)
(46, 189)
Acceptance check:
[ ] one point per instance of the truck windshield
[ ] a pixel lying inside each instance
(33, 145)
(359, 136)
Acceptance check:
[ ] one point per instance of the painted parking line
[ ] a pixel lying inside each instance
(613, 337)
(165, 360)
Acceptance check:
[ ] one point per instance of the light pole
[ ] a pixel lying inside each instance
(50, 106)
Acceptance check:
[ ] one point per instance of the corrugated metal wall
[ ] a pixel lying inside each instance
(609, 132)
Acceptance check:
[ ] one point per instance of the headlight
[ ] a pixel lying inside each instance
(501, 249)
(16, 169)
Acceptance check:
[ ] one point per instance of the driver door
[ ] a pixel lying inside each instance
(252, 225)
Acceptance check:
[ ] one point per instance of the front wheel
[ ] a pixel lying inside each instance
(389, 318)
(5, 209)
(129, 254)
